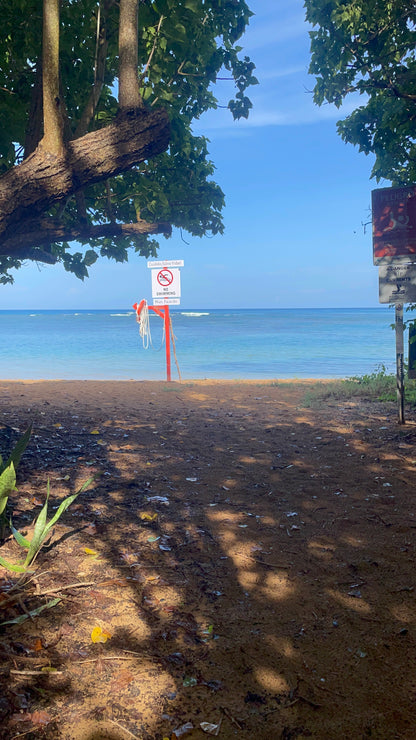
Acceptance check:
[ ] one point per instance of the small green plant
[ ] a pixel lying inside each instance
(40, 532)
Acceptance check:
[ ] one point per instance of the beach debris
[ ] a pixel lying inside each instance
(164, 544)
(210, 728)
(158, 500)
(192, 480)
(39, 718)
(189, 681)
(208, 632)
(182, 731)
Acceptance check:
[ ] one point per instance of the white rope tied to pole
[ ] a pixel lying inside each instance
(143, 321)
(144, 326)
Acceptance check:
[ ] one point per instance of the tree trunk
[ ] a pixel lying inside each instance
(42, 180)
(52, 116)
(128, 80)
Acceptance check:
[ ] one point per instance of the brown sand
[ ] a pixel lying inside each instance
(254, 568)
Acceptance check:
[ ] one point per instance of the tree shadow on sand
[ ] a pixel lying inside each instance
(248, 561)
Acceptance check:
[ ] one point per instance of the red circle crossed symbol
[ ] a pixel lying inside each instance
(164, 277)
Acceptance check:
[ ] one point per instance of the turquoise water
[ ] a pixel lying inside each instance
(274, 343)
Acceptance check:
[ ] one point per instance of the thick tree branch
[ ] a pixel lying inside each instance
(42, 180)
(50, 231)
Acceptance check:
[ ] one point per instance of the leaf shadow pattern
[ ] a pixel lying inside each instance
(268, 588)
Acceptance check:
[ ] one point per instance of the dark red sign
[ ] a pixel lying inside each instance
(394, 225)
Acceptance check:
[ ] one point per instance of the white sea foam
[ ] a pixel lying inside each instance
(194, 313)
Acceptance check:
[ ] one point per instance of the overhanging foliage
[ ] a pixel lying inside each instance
(96, 112)
(369, 47)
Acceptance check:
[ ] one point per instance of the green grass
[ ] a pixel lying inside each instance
(376, 386)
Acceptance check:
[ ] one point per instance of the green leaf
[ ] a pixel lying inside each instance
(33, 613)
(193, 5)
(38, 533)
(22, 541)
(11, 566)
(19, 448)
(7, 485)
(67, 502)
(63, 507)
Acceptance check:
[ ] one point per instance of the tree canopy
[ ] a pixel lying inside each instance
(97, 100)
(368, 47)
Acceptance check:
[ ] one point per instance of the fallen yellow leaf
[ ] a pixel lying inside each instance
(100, 635)
(145, 516)
(88, 551)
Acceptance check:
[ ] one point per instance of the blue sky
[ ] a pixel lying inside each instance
(296, 201)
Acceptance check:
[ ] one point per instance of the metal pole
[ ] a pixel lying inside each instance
(167, 340)
(400, 361)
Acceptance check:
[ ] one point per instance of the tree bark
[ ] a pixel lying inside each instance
(99, 70)
(128, 92)
(52, 116)
(42, 180)
(21, 246)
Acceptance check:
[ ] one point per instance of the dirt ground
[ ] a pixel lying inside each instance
(245, 563)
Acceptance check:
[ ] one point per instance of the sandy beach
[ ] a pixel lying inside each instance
(248, 559)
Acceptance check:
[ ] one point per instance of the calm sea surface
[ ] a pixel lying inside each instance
(274, 343)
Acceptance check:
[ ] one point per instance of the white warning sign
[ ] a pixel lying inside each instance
(166, 283)
(397, 283)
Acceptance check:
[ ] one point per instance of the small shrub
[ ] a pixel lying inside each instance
(377, 386)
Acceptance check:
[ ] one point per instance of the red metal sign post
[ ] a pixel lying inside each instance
(167, 340)
(166, 290)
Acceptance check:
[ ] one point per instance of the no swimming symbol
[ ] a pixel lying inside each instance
(165, 277)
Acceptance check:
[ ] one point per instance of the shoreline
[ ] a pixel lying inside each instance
(193, 381)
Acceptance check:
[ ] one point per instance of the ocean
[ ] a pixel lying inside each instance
(211, 343)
